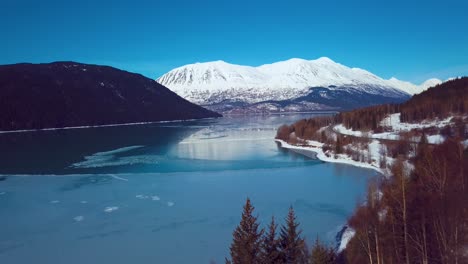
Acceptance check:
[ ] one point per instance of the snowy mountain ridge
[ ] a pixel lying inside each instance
(218, 81)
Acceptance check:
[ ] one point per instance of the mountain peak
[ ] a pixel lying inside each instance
(279, 80)
(431, 82)
(295, 60)
(325, 60)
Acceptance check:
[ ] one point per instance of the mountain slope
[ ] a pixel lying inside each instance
(62, 94)
(215, 83)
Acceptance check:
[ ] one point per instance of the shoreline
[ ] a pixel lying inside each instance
(99, 126)
(316, 148)
(283, 113)
(346, 233)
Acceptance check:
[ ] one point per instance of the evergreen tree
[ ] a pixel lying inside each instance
(423, 141)
(321, 254)
(245, 248)
(270, 247)
(338, 145)
(291, 242)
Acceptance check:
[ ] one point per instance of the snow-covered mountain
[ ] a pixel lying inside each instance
(218, 82)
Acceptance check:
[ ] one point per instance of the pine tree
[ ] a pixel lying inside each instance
(338, 145)
(291, 243)
(270, 246)
(321, 254)
(245, 248)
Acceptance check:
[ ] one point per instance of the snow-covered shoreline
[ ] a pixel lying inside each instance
(108, 125)
(316, 147)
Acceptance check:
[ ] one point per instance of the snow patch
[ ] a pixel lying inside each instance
(436, 139)
(348, 234)
(316, 147)
(78, 218)
(392, 122)
(145, 197)
(110, 209)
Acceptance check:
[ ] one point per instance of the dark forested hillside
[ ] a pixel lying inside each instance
(61, 94)
(418, 216)
(419, 212)
(440, 101)
(449, 98)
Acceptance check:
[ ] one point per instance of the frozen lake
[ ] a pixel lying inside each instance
(160, 193)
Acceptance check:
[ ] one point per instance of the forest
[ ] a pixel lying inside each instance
(418, 212)
(417, 216)
(441, 101)
(68, 94)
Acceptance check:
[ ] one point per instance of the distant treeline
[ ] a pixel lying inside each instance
(441, 101)
(449, 98)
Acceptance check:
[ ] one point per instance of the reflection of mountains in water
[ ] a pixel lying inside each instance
(53, 152)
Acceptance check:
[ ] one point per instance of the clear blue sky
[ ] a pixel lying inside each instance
(412, 40)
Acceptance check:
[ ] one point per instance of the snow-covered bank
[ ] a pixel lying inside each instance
(316, 147)
(343, 237)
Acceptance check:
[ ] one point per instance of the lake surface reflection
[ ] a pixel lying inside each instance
(160, 193)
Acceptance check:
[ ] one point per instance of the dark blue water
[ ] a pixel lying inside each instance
(160, 193)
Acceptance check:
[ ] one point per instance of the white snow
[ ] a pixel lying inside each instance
(110, 209)
(393, 121)
(412, 88)
(347, 131)
(212, 82)
(144, 197)
(345, 238)
(316, 147)
(435, 139)
(393, 124)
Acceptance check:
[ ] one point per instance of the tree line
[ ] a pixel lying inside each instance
(252, 245)
(414, 216)
(446, 99)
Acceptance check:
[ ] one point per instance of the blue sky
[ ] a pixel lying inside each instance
(411, 40)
